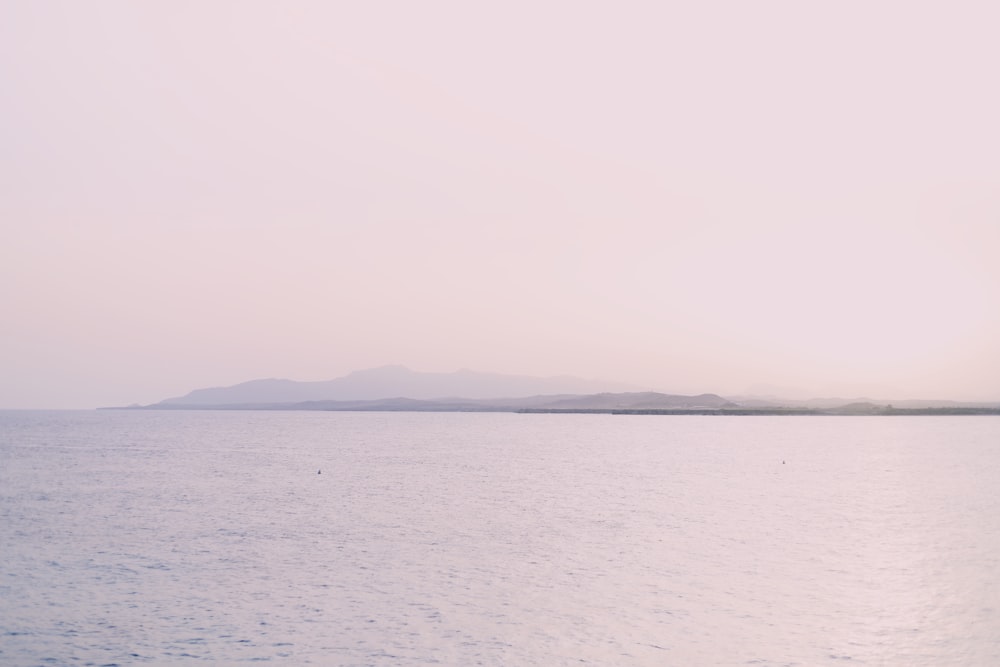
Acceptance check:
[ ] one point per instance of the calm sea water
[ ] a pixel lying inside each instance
(498, 539)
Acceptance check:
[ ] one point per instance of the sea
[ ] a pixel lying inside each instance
(390, 538)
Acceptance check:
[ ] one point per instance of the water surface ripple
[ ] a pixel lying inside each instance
(498, 539)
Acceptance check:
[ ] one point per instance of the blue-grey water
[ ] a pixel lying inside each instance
(497, 539)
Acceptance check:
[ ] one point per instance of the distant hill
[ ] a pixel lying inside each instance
(647, 400)
(603, 402)
(399, 388)
(837, 403)
(394, 382)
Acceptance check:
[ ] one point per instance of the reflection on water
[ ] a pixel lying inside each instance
(498, 539)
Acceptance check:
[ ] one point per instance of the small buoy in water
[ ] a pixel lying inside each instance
(320, 472)
(782, 462)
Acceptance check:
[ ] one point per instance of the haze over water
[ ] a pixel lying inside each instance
(498, 539)
(780, 198)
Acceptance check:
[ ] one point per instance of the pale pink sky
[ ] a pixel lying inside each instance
(689, 196)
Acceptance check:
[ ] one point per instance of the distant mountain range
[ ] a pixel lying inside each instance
(397, 388)
(396, 382)
(606, 402)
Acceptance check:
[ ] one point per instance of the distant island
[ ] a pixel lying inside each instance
(399, 389)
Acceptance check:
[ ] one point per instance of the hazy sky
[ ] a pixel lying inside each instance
(691, 196)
